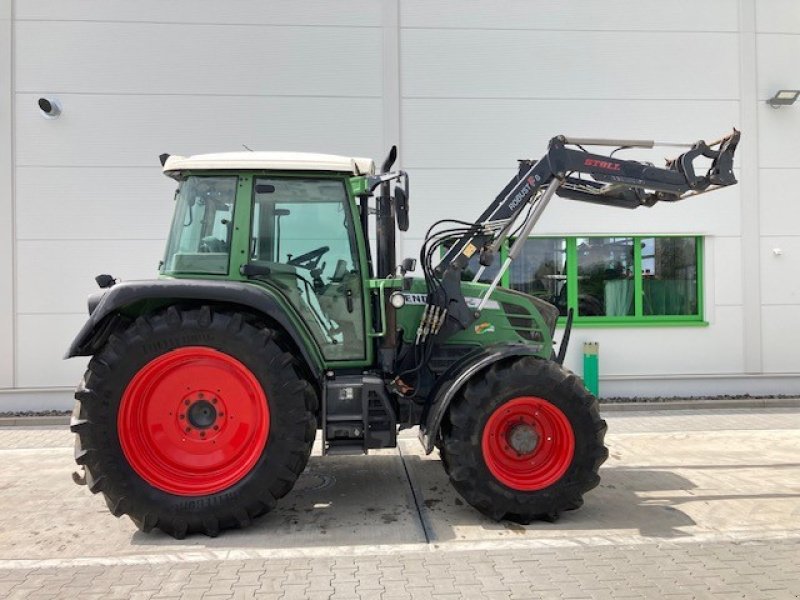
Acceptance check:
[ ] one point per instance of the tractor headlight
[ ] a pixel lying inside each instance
(397, 300)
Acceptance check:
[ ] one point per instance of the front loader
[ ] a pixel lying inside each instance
(271, 320)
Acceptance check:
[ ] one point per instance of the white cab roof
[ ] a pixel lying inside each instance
(283, 161)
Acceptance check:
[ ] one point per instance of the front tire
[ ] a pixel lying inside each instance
(193, 421)
(524, 441)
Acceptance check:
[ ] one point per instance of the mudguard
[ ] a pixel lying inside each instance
(105, 307)
(454, 379)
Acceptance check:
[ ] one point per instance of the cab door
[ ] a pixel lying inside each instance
(303, 230)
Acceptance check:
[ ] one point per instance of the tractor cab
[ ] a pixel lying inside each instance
(304, 243)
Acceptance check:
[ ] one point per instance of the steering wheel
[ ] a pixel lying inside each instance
(309, 260)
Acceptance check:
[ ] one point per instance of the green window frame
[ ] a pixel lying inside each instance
(638, 318)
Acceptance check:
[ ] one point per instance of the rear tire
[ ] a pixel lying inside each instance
(524, 441)
(153, 433)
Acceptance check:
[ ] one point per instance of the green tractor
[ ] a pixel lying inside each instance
(272, 320)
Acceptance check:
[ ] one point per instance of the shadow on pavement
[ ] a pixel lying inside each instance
(614, 505)
(352, 501)
(337, 501)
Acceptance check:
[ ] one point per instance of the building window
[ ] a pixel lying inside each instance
(609, 280)
(669, 276)
(605, 276)
(541, 270)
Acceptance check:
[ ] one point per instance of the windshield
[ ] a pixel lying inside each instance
(200, 238)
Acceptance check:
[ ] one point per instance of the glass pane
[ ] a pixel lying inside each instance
(669, 276)
(605, 276)
(200, 239)
(302, 230)
(541, 270)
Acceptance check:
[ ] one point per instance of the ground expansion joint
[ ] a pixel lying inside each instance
(425, 525)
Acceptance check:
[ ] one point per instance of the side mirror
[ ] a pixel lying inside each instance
(401, 208)
(105, 281)
(408, 265)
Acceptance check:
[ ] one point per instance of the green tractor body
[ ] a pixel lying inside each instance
(272, 319)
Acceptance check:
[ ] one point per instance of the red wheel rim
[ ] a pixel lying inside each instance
(193, 421)
(528, 443)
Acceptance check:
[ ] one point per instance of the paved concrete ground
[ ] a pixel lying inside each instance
(692, 504)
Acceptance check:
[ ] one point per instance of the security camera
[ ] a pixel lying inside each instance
(49, 107)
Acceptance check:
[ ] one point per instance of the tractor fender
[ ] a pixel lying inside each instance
(454, 379)
(105, 307)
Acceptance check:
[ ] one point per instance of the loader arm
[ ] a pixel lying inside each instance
(570, 171)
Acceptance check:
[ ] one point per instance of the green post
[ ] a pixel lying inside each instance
(591, 367)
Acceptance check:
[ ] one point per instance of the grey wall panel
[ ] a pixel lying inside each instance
(571, 15)
(779, 142)
(274, 12)
(488, 133)
(134, 130)
(138, 58)
(777, 64)
(778, 16)
(6, 202)
(726, 283)
(781, 330)
(85, 203)
(779, 137)
(60, 274)
(549, 64)
(632, 352)
(41, 344)
(779, 201)
(780, 283)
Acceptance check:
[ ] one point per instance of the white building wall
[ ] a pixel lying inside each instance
(778, 41)
(487, 83)
(465, 87)
(182, 77)
(6, 200)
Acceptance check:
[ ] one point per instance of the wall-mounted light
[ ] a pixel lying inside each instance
(783, 98)
(50, 108)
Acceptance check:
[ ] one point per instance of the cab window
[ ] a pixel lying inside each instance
(302, 230)
(200, 238)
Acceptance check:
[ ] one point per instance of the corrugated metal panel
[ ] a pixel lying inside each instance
(41, 343)
(60, 274)
(780, 332)
(133, 130)
(780, 204)
(553, 64)
(84, 203)
(573, 15)
(778, 16)
(275, 12)
(142, 58)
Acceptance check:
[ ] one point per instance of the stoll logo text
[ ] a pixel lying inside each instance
(603, 164)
